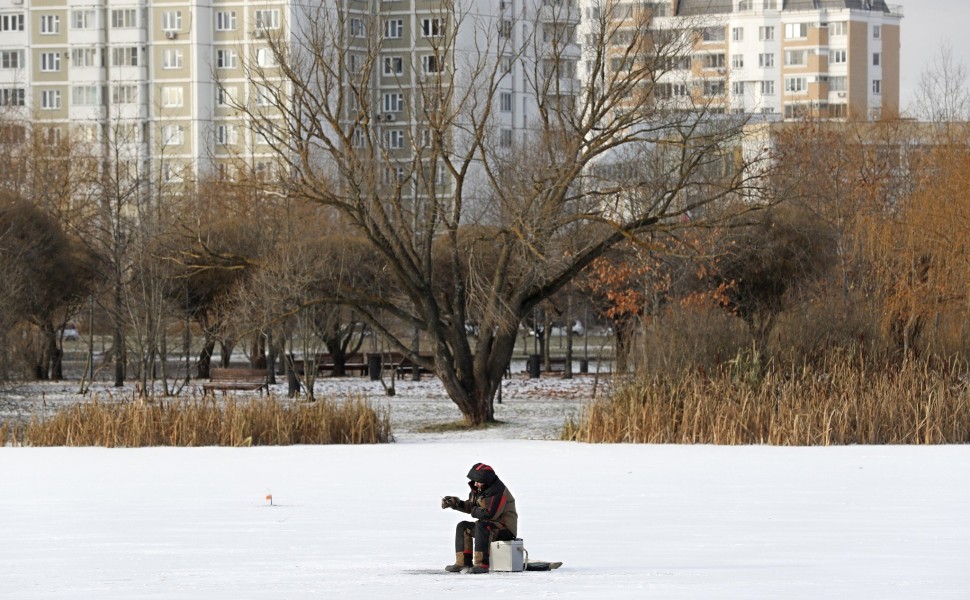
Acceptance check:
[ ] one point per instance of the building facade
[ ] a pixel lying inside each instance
(791, 58)
(171, 85)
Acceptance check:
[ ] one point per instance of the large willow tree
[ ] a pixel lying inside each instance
(494, 162)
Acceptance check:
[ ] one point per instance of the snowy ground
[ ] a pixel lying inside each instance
(628, 521)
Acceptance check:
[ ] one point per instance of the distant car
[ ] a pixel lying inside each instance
(577, 329)
(71, 334)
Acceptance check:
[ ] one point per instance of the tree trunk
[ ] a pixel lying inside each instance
(204, 365)
(118, 334)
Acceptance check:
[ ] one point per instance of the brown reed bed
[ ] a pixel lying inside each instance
(207, 422)
(841, 405)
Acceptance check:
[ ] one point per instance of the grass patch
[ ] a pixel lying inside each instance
(461, 425)
(207, 422)
(840, 405)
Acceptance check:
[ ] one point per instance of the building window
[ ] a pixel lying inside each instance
(737, 34)
(766, 61)
(394, 28)
(225, 95)
(766, 33)
(50, 24)
(124, 94)
(50, 99)
(124, 18)
(173, 135)
(795, 31)
(393, 103)
(52, 135)
(877, 86)
(357, 28)
(128, 133)
(124, 57)
(713, 61)
(170, 172)
(712, 34)
(505, 102)
(355, 63)
(838, 84)
(84, 19)
(714, 88)
(393, 65)
(11, 59)
(265, 57)
(172, 20)
(226, 20)
(505, 29)
(226, 135)
(50, 61)
(85, 57)
(264, 96)
(839, 28)
(12, 97)
(796, 85)
(505, 138)
(85, 95)
(172, 59)
(394, 175)
(838, 57)
(876, 58)
(877, 31)
(737, 88)
(737, 61)
(267, 19)
(796, 58)
(394, 139)
(88, 133)
(225, 59)
(12, 22)
(172, 96)
(431, 64)
(432, 27)
(768, 88)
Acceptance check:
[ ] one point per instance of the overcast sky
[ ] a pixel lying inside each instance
(926, 25)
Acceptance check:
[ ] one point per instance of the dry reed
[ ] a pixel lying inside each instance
(846, 405)
(209, 422)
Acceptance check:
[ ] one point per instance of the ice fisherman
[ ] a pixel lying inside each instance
(491, 503)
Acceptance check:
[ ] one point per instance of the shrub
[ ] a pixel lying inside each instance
(208, 422)
(843, 404)
(692, 339)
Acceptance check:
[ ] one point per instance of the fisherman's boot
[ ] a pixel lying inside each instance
(481, 564)
(462, 561)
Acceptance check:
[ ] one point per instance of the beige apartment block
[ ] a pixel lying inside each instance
(788, 58)
(170, 82)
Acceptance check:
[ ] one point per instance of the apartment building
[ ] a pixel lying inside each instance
(172, 84)
(791, 58)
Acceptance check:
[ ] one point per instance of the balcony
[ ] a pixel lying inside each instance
(559, 12)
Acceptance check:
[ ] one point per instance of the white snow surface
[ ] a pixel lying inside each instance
(362, 522)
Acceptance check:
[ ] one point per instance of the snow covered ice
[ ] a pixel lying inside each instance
(628, 521)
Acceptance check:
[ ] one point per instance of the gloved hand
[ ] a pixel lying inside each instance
(449, 502)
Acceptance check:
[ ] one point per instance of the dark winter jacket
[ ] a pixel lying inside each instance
(495, 503)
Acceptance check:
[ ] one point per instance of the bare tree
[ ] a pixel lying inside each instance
(943, 94)
(476, 220)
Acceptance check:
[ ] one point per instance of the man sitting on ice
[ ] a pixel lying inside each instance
(491, 503)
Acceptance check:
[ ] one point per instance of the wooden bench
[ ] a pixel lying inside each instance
(236, 379)
(557, 364)
(354, 363)
(405, 366)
